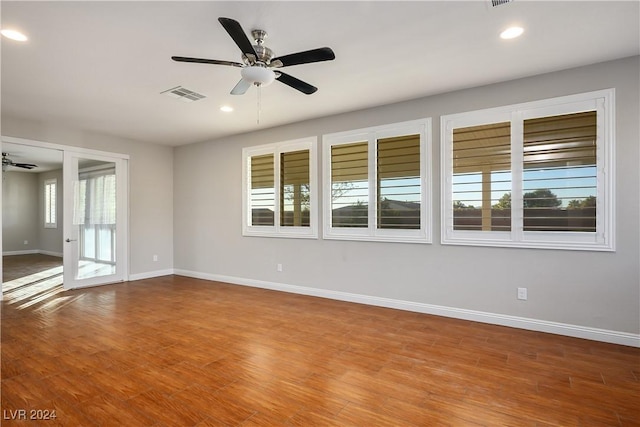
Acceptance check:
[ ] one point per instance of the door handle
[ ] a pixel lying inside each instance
(71, 240)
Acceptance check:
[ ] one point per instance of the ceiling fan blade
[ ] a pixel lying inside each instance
(306, 57)
(238, 35)
(24, 165)
(241, 88)
(297, 84)
(206, 61)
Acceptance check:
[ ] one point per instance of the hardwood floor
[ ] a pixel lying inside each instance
(17, 266)
(176, 351)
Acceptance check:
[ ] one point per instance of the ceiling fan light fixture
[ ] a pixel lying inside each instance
(258, 75)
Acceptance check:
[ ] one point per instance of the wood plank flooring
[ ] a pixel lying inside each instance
(16, 266)
(176, 351)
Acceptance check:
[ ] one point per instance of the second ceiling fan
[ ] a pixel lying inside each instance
(260, 67)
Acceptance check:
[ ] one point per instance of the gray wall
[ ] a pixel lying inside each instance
(150, 187)
(20, 207)
(23, 213)
(590, 289)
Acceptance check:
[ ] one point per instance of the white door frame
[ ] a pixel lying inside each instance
(80, 150)
(71, 235)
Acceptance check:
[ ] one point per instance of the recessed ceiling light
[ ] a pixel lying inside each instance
(226, 108)
(512, 33)
(14, 35)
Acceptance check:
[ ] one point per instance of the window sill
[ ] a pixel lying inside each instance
(297, 233)
(532, 244)
(378, 238)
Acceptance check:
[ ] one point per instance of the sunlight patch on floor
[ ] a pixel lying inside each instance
(34, 291)
(38, 295)
(46, 287)
(34, 288)
(32, 278)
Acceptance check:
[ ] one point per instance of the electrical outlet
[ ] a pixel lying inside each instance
(26, 242)
(155, 257)
(279, 267)
(522, 294)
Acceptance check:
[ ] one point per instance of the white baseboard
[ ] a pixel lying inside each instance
(24, 252)
(577, 331)
(150, 274)
(32, 252)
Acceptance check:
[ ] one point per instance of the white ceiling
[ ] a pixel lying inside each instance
(45, 159)
(101, 66)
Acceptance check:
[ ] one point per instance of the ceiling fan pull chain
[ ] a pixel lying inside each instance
(259, 102)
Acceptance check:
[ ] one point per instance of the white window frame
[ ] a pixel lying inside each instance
(603, 239)
(47, 206)
(421, 127)
(277, 230)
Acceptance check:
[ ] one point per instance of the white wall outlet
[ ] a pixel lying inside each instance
(279, 267)
(26, 242)
(522, 293)
(155, 257)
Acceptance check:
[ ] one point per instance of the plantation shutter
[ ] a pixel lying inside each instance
(349, 184)
(262, 198)
(50, 203)
(398, 178)
(559, 178)
(294, 188)
(481, 177)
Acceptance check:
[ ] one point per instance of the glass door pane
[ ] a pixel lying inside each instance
(95, 204)
(92, 222)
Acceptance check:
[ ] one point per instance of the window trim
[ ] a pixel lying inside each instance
(47, 223)
(277, 230)
(421, 127)
(603, 239)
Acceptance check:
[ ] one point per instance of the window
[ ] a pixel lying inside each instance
(376, 183)
(95, 214)
(350, 185)
(50, 203)
(279, 182)
(531, 175)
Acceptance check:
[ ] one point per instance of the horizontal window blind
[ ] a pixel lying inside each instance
(262, 199)
(481, 182)
(399, 185)
(294, 188)
(559, 177)
(350, 185)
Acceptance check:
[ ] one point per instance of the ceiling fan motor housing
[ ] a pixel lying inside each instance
(265, 55)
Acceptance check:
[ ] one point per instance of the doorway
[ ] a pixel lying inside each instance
(95, 219)
(74, 194)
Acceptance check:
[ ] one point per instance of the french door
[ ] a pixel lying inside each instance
(95, 219)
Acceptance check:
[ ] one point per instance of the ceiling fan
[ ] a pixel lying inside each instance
(6, 162)
(259, 62)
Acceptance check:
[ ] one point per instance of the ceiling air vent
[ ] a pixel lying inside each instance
(496, 3)
(183, 94)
